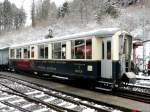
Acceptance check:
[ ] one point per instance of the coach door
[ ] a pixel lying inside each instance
(106, 63)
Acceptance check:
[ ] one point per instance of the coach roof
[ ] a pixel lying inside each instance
(4, 48)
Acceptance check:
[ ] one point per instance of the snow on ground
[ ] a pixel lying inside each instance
(143, 83)
(143, 76)
(143, 79)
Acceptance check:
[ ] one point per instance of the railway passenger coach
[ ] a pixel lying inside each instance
(101, 56)
(4, 58)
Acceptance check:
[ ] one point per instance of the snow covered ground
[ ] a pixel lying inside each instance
(143, 80)
(35, 34)
(143, 76)
(145, 83)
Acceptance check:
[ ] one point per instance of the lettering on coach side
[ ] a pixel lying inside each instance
(78, 71)
(51, 68)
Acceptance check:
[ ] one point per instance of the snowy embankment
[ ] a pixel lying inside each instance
(39, 33)
(22, 36)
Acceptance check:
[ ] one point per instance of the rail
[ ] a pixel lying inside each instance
(57, 94)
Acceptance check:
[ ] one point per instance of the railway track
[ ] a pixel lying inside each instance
(48, 98)
(18, 102)
(134, 92)
(133, 96)
(138, 93)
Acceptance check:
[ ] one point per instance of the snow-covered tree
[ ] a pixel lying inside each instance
(45, 9)
(11, 17)
(33, 14)
(107, 8)
(62, 11)
(19, 20)
(45, 12)
(42, 10)
(7, 12)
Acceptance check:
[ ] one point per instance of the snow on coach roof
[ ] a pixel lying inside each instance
(3, 48)
(98, 32)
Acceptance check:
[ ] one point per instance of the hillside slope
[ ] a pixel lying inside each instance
(135, 19)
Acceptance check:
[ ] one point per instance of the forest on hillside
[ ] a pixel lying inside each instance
(72, 17)
(77, 15)
(78, 11)
(81, 12)
(11, 17)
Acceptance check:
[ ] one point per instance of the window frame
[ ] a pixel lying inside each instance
(18, 50)
(44, 46)
(12, 56)
(109, 56)
(28, 52)
(85, 40)
(103, 50)
(32, 51)
(59, 51)
(86, 48)
(63, 43)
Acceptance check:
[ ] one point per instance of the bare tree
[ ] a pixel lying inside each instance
(62, 11)
(11, 17)
(33, 14)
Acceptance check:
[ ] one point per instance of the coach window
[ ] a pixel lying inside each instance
(46, 51)
(63, 50)
(18, 53)
(103, 54)
(32, 52)
(56, 50)
(25, 52)
(12, 53)
(78, 49)
(28, 48)
(108, 50)
(41, 51)
(88, 49)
